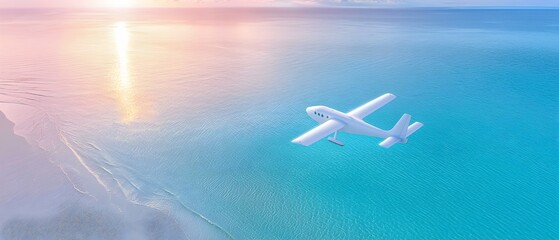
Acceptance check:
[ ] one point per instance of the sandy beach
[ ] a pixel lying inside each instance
(41, 200)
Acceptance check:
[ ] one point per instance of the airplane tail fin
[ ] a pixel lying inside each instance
(401, 131)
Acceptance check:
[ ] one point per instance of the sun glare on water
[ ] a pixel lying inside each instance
(125, 90)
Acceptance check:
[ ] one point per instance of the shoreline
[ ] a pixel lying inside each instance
(40, 198)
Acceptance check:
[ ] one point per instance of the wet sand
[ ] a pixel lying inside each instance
(38, 201)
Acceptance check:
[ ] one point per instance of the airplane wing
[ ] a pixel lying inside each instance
(368, 108)
(319, 132)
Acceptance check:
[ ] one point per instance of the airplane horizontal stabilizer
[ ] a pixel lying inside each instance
(399, 133)
(388, 142)
(414, 127)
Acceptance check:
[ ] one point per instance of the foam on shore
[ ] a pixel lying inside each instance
(53, 195)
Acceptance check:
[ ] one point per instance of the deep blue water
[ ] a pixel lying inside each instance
(210, 100)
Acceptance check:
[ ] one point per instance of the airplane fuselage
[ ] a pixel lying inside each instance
(353, 125)
(333, 121)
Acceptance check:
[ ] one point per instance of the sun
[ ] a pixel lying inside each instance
(122, 3)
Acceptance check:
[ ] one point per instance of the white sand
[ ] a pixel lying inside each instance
(40, 200)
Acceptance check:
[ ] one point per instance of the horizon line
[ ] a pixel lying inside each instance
(293, 7)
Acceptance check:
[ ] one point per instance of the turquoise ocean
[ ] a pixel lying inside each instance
(198, 107)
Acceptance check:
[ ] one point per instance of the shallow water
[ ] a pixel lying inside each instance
(195, 109)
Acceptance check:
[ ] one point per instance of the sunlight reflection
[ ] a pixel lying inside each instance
(125, 90)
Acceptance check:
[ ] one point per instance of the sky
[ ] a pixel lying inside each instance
(202, 3)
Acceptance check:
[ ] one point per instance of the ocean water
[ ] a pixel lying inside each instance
(195, 110)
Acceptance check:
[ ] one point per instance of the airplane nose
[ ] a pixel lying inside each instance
(309, 110)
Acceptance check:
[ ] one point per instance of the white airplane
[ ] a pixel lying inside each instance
(332, 121)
